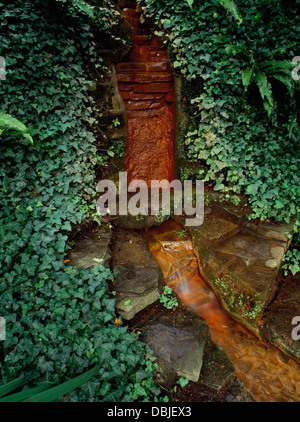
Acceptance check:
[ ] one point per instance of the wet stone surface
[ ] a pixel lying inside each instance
(179, 338)
(240, 260)
(139, 281)
(279, 316)
(179, 341)
(252, 358)
(182, 345)
(146, 85)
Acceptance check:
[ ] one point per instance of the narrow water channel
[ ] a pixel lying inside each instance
(147, 88)
(269, 374)
(146, 85)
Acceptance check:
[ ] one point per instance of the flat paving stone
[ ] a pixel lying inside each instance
(91, 251)
(178, 340)
(139, 281)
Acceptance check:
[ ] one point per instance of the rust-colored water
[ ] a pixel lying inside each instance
(149, 135)
(147, 88)
(270, 375)
(146, 85)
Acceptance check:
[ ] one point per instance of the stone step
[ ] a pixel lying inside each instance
(278, 319)
(139, 282)
(144, 105)
(136, 67)
(146, 53)
(136, 31)
(127, 95)
(240, 261)
(156, 54)
(91, 250)
(178, 340)
(136, 57)
(133, 96)
(125, 87)
(157, 43)
(142, 39)
(131, 67)
(146, 77)
(133, 22)
(144, 31)
(156, 87)
(127, 4)
(158, 66)
(170, 97)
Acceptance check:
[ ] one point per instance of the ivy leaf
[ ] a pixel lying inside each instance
(45, 365)
(183, 381)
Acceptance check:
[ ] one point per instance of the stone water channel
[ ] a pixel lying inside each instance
(269, 374)
(146, 86)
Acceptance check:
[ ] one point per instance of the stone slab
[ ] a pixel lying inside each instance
(156, 87)
(213, 230)
(139, 282)
(240, 262)
(217, 370)
(91, 251)
(178, 340)
(282, 319)
(147, 77)
(281, 232)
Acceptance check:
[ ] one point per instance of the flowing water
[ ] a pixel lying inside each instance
(270, 375)
(146, 85)
(147, 88)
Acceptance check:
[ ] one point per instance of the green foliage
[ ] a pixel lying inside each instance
(47, 393)
(104, 382)
(8, 124)
(232, 8)
(227, 4)
(238, 300)
(56, 316)
(241, 98)
(183, 382)
(10, 386)
(260, 72)
(78, 6)
(292, 257)
(168, 298)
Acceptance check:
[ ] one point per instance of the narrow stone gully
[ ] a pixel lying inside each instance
(146, 85)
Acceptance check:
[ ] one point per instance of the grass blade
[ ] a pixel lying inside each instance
(10, 386)
(23, 394)
(54, 393)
